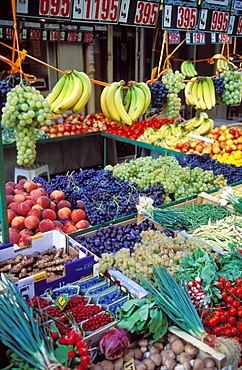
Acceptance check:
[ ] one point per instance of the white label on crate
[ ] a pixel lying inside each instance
(202, 138)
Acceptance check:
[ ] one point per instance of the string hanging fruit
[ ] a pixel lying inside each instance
(25, 109)
(174, 82)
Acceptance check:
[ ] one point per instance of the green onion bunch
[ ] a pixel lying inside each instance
(22, 333)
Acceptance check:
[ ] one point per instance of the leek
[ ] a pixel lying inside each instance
(175, 301)
(22, 333)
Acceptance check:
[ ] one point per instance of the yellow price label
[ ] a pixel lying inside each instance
(129, 365)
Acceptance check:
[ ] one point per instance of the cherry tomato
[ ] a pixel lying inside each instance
(220, 285)
(227, 332)
(232, 311)
(234, 331)
(217, 331)
(235, 303)
(232, 320)
(239, 311)
(212, 321)
(222, 317)
(228, 299)
(221, 279)
(227, 284)
(238, 291)
(238, 281)
(239, 326)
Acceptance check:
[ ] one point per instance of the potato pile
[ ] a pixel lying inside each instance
(171, 353)
(52, 261)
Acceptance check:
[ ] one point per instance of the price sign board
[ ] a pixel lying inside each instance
(179, 15)
(174, 37)
(214, 16)
(139, 13)
(96, 11)
(220, 38)
(235, 26)
(51, 9)
(195, 38)
(31, 31)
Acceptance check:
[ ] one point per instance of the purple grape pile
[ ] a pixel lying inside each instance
(218, 86)
(106, 196)
(158, 95)
(111, 239)
(230, 172)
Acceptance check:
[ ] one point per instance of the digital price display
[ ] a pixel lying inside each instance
(139, 13)
(51, 9)
(235, 27)
(96, 11)
(179, 15)
(214, 16)
(195, 38)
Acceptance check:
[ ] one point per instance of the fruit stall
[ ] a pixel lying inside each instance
(122, 265)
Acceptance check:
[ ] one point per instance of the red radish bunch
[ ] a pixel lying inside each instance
(77, 349)
(196, 293)
(30, 210)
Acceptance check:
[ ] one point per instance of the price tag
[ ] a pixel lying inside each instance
(222, 37)
(35, 34)
(146, 13)
(24, 34)
(167, 16)
(219, 21)
(55, 36)
(44, 36)
(96, 10)
(61, 301)
(124, 11)
(72, 36)
(9, 33)
(174, 38)
(129, 365)
(186, 17)
(239, 27)
(203, 19)
(26, 287)
(55, 8)
(1, 32)
(196, 38)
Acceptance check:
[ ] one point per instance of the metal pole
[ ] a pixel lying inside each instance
(3, 200)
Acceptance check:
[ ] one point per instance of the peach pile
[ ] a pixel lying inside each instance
(30, 211)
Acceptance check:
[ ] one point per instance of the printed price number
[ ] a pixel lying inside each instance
(9, 33)
(146, 13)
(224, 38)
(55, 8)
(239, 28)
(198, 38)
(55, 35)
(174, 37)
(220, 21)
(35, 34)
(72, 36)
(186, 17)
(104, 10)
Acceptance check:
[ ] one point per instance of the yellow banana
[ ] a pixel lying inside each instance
(53, 94)
(127, 99)
(145, 88)
(199, 93)
(63, 94)
(103, 103)
(188, 93)
(110, 102)
(191, 123)
(212, 125)
(118, 100)
(183, 68)
(211, 89)
(140, 104)
(72, 97)
(87, 90)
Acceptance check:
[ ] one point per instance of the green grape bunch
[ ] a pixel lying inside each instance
(232, 87)
(174, 83)
(24, 111)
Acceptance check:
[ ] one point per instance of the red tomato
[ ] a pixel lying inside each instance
(219, 285)
(239, 311)
(239, 326)
(217, 331)
(212, 321)
(232, 320)
(232, 311)
(227, 333)
(222, 317)
(221, 279)
(235, 303)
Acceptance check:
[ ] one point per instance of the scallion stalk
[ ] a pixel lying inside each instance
(21, 333)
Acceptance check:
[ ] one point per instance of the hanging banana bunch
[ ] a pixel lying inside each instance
(71, 92)
(125, 105)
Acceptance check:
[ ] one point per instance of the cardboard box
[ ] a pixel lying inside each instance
(38, 284)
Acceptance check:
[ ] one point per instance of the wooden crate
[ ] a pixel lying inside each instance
(204, 349)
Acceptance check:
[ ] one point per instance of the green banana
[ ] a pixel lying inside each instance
(127, 99)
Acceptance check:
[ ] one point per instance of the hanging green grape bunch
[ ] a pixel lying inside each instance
(174, 83)
(232, 87)
(25, 109)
